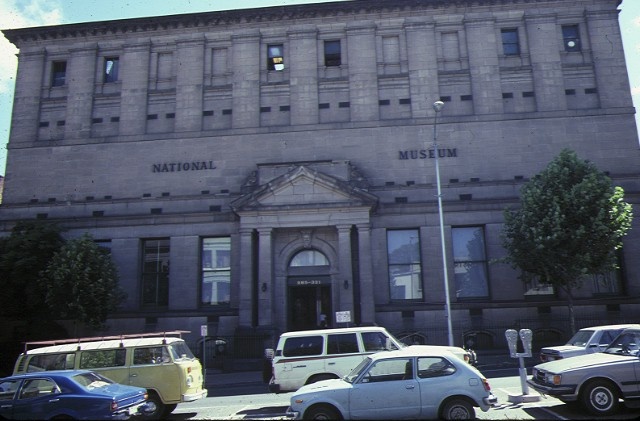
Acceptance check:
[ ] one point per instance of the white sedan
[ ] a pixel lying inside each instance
(411, 383)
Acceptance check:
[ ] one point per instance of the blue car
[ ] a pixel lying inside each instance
(68, 394)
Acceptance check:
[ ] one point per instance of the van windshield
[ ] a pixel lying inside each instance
(180, 351)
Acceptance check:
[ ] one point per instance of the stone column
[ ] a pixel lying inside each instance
(303, 75)
(135, 82)
(345, 302)
(81, 78)
(423, 66)
(189, 85)
(609, 63)
(363, 70)
(483, 64)
(183, 288)
(367, 300)
(25, 118)
(246, 79)
(548, 82)
(245, 308)
(265, 276)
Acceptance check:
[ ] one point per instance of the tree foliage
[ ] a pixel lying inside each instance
(82, 282)
(570, 222)
(24, 256)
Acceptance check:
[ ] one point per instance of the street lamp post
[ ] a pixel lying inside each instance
(437, 106)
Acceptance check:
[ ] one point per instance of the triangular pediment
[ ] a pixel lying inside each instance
(303, 187)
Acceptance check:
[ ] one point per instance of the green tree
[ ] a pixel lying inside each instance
(82, 283)
(570, 222)
(24, 256)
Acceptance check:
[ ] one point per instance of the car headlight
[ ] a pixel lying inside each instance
(554, 379)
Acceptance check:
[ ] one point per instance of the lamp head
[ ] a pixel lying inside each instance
(438, 105)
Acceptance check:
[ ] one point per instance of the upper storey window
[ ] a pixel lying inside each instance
(332, 56)
(571, 38)
(510, 42)
(58, 73)
(275, 57)
(111, 65)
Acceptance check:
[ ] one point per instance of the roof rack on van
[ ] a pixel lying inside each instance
(104, 338)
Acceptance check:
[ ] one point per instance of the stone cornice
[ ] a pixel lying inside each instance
(233, 17)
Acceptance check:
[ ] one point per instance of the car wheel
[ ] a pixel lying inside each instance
(457, 409)
(155, 408)
(600, 397)
(322, 412)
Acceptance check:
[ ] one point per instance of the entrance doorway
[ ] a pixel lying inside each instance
(309, 303)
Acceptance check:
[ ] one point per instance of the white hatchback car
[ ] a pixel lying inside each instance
(414, 382)
(585, 341)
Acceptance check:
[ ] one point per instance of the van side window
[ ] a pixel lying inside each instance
(298, 347)
(103, 358)
(153, 355)
(47, 362)
(374, 341)
(342, 344)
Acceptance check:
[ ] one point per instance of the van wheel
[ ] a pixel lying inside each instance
(155, 407)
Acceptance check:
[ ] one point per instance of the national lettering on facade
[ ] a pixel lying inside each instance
(183, 166)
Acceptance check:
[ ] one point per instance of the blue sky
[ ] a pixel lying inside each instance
(25, 13)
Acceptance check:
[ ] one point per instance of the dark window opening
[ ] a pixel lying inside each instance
(275, 57)
(510, 42)
(58, 73)
(571, 38)
(111, 65)
(332, 56)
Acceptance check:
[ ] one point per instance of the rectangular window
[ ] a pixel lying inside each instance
(571, 38)
(111, 65)
(275, 57)
(332, 53)
(510, 42)
(103, 358)
(470, 262)
(216, 270)
(155, 272)
(609, 283)
(342, 344)
(58, 73)
(405, 268)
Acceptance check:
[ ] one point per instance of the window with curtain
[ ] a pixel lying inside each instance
(470, 262)
(216, 271)
(155, 272)
(405, 267)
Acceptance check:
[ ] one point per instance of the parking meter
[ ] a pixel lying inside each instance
(526, 335)
(512, 342)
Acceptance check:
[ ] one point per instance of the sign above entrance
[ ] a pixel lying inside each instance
(307, 282)
(343, 316)
(183, 166)
(427, 153)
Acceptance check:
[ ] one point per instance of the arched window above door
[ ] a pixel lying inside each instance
(309, 258)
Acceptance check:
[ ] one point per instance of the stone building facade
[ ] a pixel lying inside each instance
(253, 170)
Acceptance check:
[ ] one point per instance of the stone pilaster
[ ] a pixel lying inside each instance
(363, 74)
(548, 82)
(423, 66)
(246, 278)
(303, 75)
(367, 301)
(346, 270)
(246, 83)
(265, 277)
(133, 96)
(81, 74)
(26, 99)
(189, 85)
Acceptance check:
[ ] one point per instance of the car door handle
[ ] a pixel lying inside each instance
(133, 375)
(53, 400)
(299, 366)
(410, 386)
(6, 406)
(331, 363)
